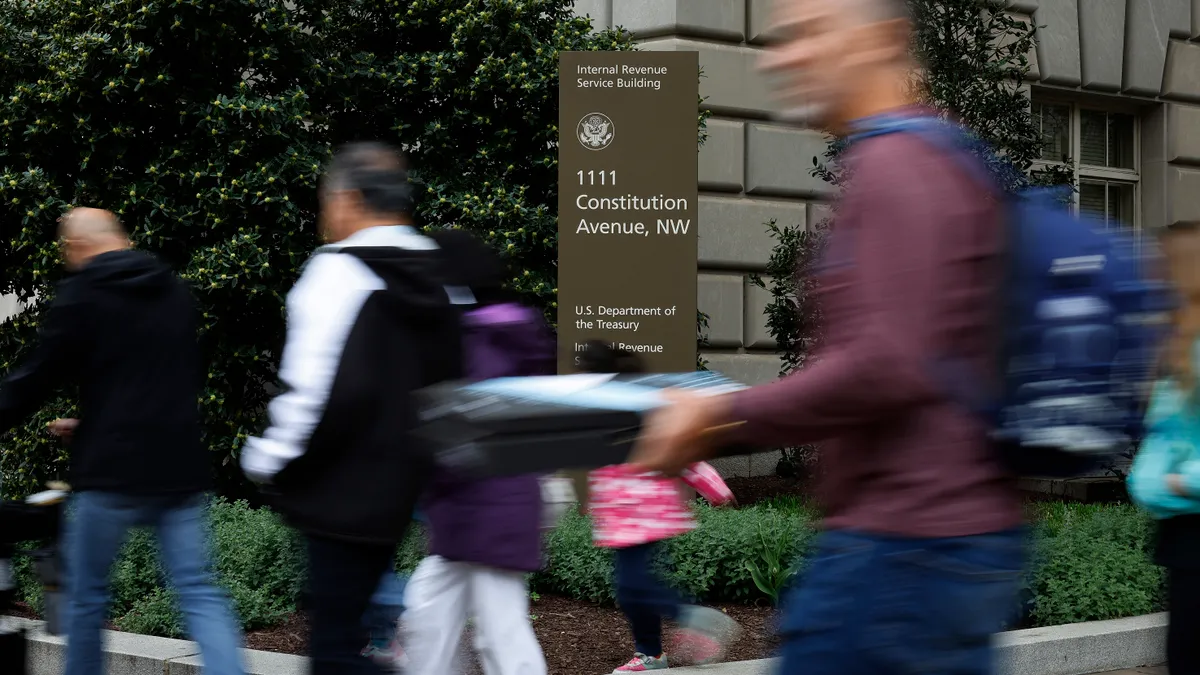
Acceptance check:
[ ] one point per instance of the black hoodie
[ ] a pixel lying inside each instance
(124, 330)
(369, 321)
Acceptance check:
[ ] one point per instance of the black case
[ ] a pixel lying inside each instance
(485, 434)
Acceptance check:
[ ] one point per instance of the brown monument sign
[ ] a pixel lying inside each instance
(627, 205)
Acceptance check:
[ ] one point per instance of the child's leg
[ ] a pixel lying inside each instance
(504, 636)
(386, 607)
(435, 614)
(643, 597)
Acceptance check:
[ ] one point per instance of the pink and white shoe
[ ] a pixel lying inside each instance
(642, 663)
(391, 658)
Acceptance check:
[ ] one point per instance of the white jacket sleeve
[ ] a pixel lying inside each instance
(321, 311)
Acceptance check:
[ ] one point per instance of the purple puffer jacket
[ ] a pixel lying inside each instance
(495, 522)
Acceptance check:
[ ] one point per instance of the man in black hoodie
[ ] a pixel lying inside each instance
(122, 328)
(369, 321)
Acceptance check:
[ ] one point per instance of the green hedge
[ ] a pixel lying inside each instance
(1088, 563)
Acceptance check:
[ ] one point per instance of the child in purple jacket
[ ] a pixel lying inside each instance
(484, 535)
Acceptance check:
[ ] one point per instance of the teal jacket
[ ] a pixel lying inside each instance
(1171, 446)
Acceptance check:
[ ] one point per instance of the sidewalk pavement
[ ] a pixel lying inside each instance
(1156, 670)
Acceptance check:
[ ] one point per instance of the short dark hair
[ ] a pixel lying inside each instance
(377, 171)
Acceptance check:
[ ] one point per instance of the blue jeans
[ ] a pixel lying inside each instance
(386, 607)
(94, 534)
(871, 605)
(644, 598)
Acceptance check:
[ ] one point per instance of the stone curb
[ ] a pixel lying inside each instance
(131, 654)
(1075, 649)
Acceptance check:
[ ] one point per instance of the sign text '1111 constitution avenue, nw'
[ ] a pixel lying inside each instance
(627, 238)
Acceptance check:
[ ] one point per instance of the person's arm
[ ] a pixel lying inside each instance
(28, 386)
(880, 363)
(321, 311)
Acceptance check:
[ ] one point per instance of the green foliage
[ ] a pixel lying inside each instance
(1093, 563)
(105, 103)
(574, 567)
(771, 571)
(1087, 563)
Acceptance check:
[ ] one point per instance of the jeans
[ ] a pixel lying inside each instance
(385, 609)
(342, 577)
(644, 598)
(94, 534)
(872, 605)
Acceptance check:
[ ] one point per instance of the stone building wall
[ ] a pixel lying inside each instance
(1135, 56)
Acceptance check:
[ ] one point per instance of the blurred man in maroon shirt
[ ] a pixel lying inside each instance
(920, 561)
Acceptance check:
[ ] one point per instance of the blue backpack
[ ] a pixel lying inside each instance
(1080, 320)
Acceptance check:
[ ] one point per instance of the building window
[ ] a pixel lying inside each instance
(1101, 149)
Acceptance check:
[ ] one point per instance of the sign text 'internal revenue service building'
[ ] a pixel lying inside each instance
(627, 160)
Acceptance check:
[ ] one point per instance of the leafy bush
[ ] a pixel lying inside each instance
(1092, 563)
(214, 168)
(1087, 563)
(574, 567)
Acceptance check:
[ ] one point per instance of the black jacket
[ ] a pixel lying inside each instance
(124, 330)
(369, 321)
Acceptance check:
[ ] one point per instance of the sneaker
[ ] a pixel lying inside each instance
(641, 663)
(704, 635)
(390, 657)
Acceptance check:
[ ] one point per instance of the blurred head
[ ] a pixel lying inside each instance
(365, 185)
(85, 233)
(1181, 252)
(840, 60)
(473, 264)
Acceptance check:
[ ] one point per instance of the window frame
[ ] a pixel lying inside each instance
(1084, 172)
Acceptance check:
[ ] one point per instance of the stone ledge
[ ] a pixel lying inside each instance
(1076, 649)
(132, 654)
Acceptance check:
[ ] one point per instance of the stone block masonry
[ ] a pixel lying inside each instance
(1137, 54)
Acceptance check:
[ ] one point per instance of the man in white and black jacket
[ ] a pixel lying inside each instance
(369, 321)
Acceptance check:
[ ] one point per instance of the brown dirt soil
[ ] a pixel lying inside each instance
(576, 637)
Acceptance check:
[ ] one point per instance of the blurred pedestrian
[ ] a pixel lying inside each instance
(484, 535)
(123, 328)
(369, 322)
(1165, 479)
(634, 514)
(921, 558)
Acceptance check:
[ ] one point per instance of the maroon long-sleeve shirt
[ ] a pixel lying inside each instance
(910, 275)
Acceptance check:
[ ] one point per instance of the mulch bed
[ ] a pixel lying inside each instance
(576, 637)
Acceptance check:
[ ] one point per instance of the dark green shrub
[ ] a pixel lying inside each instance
(709, 563)
(574, 567)
(1093, 563)
(104, 103)
(1087, 563)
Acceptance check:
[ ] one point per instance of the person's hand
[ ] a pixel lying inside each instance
(64, 427)
(1176, 486)
(674, 436)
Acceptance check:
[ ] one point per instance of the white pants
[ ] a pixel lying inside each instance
(441, 595)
